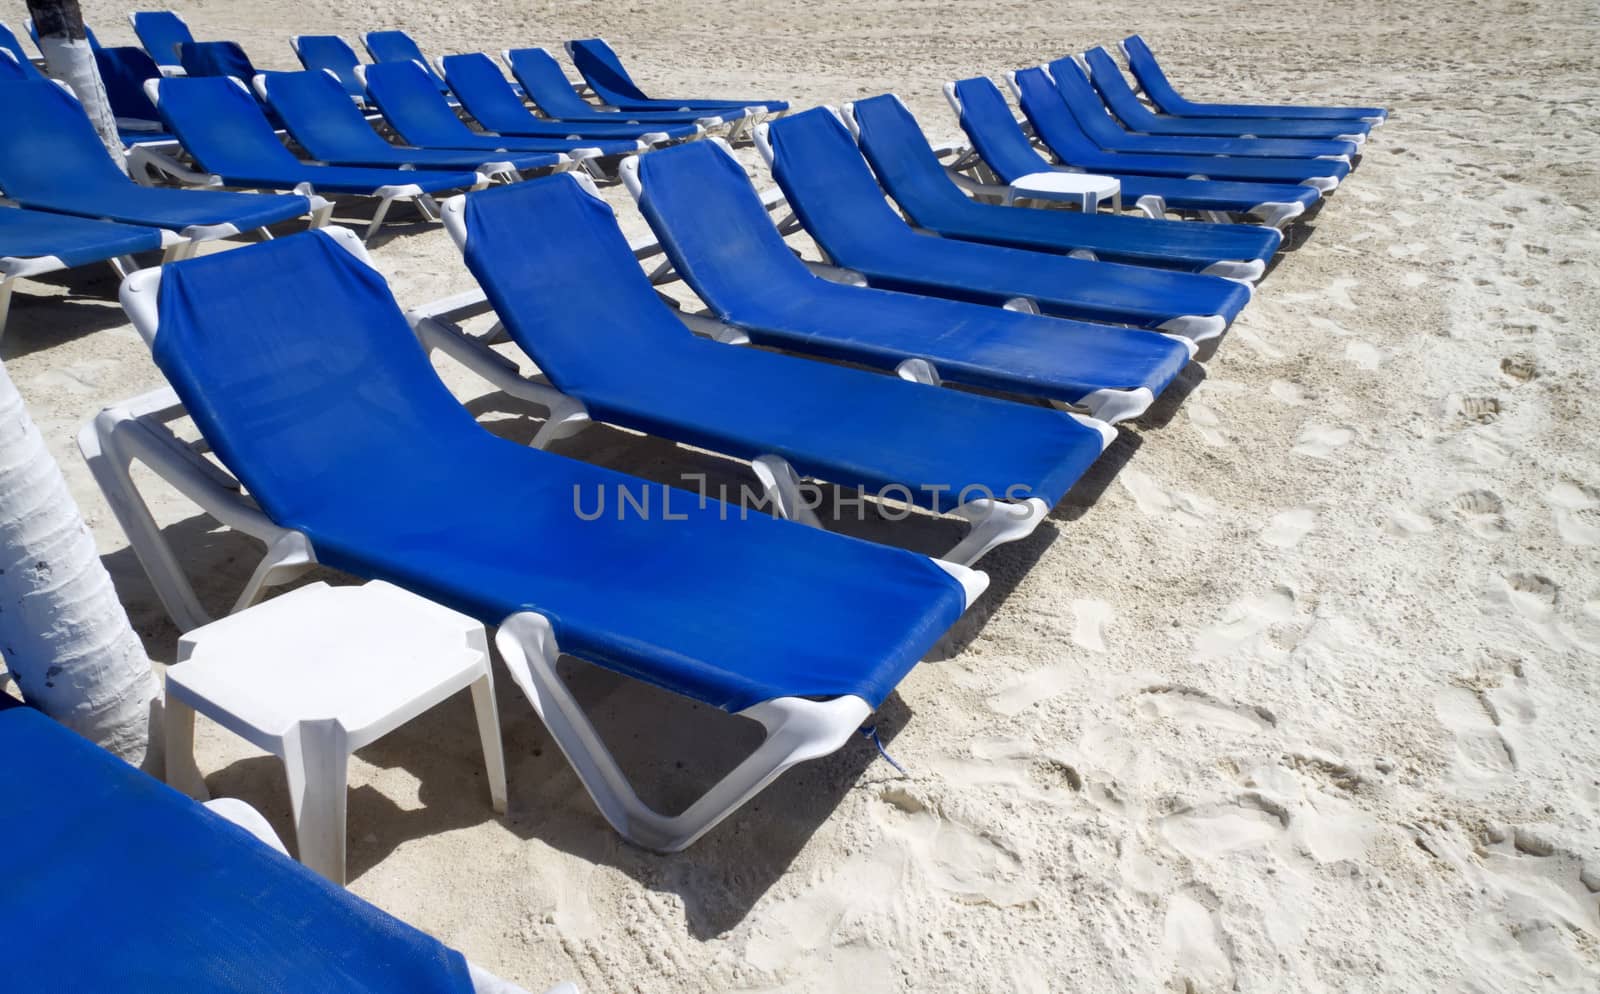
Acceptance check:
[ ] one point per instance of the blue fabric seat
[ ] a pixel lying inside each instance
(52, 159)
(215, 911)
(1124, 103)
(1165, 96)
(9, 43)
(603, 71)
(161, 32)
(18, 66)
(846, 213)
(892, 141)
(325, 122)
(331, 53)
(300, 370)
(1082, 150)
(1097, 123)
(224, 128)
(216, 58)
(397, 46)
(488, 97)
(553, 262)
(420, 116)
(714, 229)
(546, 85)
(75, 241)
(995, 134)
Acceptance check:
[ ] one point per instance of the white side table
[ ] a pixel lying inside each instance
(318, 673)
(1086, 188)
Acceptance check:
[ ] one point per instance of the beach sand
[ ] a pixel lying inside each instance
(1297, 692)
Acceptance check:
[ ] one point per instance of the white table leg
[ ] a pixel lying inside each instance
(1091, 203)
(494, 756)
(316, 761)
(182, 774)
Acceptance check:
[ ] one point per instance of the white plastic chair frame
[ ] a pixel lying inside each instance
(797, 729)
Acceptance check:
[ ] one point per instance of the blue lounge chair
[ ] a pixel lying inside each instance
(489, 98)
(79, 178)
(229, 136)
(1166, 97)
(220, 909)
(1083, 152)
(715, 231)
(546, 85)
(1102, 128)
(216, 58)
(124, 71)
(576, 302)
(316, 111)
(301, 373)
(33, 243)
(331, 53)
(856, 227)
(911, 172)
(1124, 103)
(421, 117)
(161, 32)
(397, 46)
(997, 138)
(603, 71)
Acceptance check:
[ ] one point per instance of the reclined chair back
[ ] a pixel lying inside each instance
(216, 58)
(1043, 100)
(986, 118)
(321, 116)
(124, 72)
(47, 143)
(544, 81)
(331, 53)
(600, 66)
(11, 69)
(9, 43)
(222, 126)
(1084, 103)
(406, 96)
(161, 32)
(898, 151)
(485, 92)
(397, 46)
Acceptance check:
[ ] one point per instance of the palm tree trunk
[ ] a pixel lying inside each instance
(65, 637)
(67, 57)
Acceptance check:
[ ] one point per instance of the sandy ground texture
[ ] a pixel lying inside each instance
(1296, 692)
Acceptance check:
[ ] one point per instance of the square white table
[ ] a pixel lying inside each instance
(1086, 188)
(317, 673)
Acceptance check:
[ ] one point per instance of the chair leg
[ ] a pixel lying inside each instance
(797, 730)
(377, 218)
(6, 283)
(994, 522)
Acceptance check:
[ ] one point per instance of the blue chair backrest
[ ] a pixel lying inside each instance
(301, 409)
(320, 116)
(216, 58)
(552, 260)
(10, 68)
(1083, 102)
(1045, 104)
(1144, 65)
(542, 78)
(485, 91)
(1113, 87)
(600, 66)
(124, 71)
(710, 219)
(407, 97)
(47, 143)
(828, 184)
(987, 120)
(9, 43)
(894, 144)
(334, 54)
(161, 32)
(397, 46)
(222, 125)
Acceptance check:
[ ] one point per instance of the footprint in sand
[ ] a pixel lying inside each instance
(1207, 424)
(1481, 512)
(1405, 522)
(1481, 751)
(1321, 441)
(1289, 393)
(1364, 355)
(1287, 528)
(1188, 510)
(1193, 938)
(1245, 620)
(1089, 621)
(1531, 595)
(1196, 707)
(1542, 880)
(972, 866)
(1519, 368)
(1213, 830)
(1032, 688)
(1577, 512)
(1472, 407)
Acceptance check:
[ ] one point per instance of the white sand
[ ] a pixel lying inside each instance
(1297, 693)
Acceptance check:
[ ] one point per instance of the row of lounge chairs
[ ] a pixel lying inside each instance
(335, 441)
